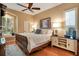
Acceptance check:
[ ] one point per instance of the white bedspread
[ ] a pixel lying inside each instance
(35, 40)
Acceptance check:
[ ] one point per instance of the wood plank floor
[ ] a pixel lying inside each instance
(52, 51)
(48, 51)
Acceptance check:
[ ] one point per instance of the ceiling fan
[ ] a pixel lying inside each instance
(29, 7)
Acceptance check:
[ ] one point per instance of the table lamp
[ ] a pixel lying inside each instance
(56, 26)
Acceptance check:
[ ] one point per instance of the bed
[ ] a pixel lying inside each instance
(30, 42)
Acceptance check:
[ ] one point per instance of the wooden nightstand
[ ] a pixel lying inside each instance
(2, 47)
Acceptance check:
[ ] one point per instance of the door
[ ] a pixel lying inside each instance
(26, 26)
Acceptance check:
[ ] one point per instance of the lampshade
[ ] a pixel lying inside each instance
(34, 26)
(56, 24)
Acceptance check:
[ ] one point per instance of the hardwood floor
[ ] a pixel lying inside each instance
(52, 51)
(49, 51)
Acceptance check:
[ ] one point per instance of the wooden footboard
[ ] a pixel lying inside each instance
(22, 42)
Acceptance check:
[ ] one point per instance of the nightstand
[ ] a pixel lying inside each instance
(2, 47)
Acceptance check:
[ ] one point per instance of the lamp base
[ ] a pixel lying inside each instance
(55, 33)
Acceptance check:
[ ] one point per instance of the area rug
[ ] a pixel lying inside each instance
(14, 50)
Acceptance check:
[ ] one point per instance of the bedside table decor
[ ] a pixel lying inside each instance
(56, 26)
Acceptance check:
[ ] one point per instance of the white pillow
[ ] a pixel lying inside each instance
(49, 32)
(44, 31)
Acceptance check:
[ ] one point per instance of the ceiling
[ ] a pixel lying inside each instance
(43, 7)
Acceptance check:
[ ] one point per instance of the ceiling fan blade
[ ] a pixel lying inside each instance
(31, 10)
(27, 8)
(21, 5)
(24, 9)
(35, 8)
(30, 5)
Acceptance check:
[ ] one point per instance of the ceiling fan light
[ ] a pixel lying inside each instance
(26, 4)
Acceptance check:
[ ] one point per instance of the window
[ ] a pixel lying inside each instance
(70, 18)
(8, 24)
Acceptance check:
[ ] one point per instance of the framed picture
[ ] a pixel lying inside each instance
(45, 23)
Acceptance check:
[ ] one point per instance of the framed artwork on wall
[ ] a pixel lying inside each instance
(45, 23)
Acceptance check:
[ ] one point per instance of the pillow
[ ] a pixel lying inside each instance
(44, 31)
(38, 31)
(49, 32)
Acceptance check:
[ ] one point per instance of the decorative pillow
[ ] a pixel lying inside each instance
(38, 31)
(49, 32)
(44, 31)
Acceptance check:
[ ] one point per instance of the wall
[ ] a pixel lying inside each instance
(56, 13)
(21, 18)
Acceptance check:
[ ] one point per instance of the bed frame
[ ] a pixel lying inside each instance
(22, 42)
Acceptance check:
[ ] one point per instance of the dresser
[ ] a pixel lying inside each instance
(65, 43)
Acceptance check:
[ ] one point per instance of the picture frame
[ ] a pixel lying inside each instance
(45, 23)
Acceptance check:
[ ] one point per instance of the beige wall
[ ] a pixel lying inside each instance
(21, 18)
(56, 13)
